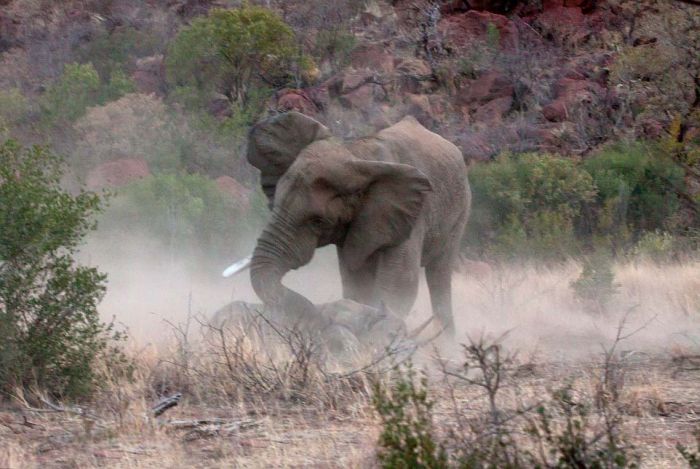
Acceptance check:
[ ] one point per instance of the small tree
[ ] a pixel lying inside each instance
(49, 325)
(233, 52)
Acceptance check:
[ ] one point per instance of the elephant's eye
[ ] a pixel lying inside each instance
(318, 222)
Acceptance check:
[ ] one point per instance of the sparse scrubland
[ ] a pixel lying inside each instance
(577, 301)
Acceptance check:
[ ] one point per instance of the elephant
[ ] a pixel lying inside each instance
(391, 203)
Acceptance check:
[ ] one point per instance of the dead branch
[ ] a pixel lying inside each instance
(166, 403)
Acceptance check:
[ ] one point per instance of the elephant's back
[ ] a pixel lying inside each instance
(447, 206)
(439, 159)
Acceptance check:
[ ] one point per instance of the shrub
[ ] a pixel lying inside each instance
(186, 212)
(596, 285)
(233, 52)
(407, 438)
(564, 429)
(110, 52)
(638, 190)
(49, 324)
(14, 108)
(78, 88)
(658, 246)
(528, 205)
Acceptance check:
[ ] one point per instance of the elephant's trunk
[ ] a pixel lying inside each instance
(276, 254)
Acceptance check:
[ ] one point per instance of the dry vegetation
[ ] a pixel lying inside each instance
(286, 405)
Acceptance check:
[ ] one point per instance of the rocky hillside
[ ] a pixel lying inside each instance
(560, 76)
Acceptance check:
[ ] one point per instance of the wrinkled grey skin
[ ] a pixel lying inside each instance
(391, 203)
(352, 324)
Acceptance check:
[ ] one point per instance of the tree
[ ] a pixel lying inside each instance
(233, 52)
(49, 325)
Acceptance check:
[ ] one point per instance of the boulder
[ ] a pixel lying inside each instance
(492, 113)
(296, 100)
(117, 173)
(219, 106)
(487, 87)
(373, 56)
(461, 31)
(419, 106)
(569, 92)
(357, 89)
(414, 76)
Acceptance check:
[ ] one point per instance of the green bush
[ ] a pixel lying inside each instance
(408, 437)
(110, 52)
(78, 88)
(596, 286)
(188, 213)
(657, 246)
(638, 190)
(50, 328)
(527, 205)
(14, 108)
(233, 52)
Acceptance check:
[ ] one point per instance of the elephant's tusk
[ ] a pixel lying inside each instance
(238, 266)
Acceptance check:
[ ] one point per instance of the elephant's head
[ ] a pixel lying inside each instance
(320, 194)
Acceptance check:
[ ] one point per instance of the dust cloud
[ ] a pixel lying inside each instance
(535, 306)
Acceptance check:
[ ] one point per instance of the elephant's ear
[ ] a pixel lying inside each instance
(391, 201)
(274, 144)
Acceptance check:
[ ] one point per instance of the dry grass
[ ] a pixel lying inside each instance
(269, 418)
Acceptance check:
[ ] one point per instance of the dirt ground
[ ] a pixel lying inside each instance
(662, 410)
(558, 342)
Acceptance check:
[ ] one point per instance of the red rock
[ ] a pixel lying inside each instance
(372, 56)
(414, 76)
(489, 86)
(296, 100)
(568, 94)
(117, 173)
(492, 112)
(460, 31)
(419, 106)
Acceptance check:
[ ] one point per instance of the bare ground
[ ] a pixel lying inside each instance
(558, 343)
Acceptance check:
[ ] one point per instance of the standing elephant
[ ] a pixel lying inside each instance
(391, 203)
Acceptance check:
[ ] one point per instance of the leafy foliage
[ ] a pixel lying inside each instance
(49, 322)
(528, 204)
(187, 212)
(549, 207)
(407, 438)
(14, 108)
(637, 189)
(596, 285)
(78, 88)
(573, 444)
(233, 52)
(564, 429)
